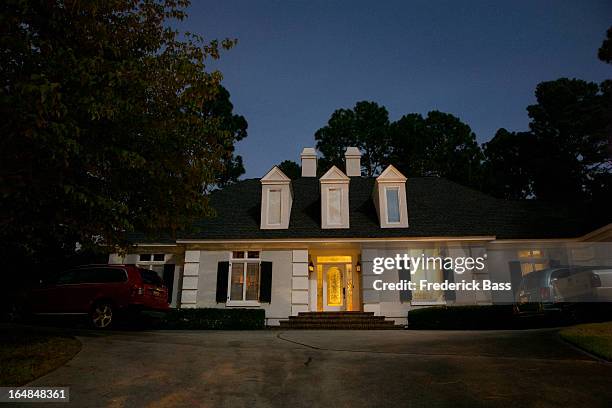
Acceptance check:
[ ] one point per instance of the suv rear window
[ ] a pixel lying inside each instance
(92, 275)
(102, 275)
(150, 277)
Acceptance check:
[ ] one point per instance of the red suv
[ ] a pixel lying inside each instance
(100, 291)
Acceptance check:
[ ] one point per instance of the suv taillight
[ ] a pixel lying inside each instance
(595, 281)
(137, 290)
(544, 293)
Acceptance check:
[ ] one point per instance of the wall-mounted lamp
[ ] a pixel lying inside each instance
(310, 267)
(358, 266)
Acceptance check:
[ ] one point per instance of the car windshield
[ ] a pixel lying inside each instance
(150, 277)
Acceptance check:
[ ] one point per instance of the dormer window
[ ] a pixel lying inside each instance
(390, 199)
(276, 200)
(393, 208)
(334, 199)
(274, 206)
(334, 205)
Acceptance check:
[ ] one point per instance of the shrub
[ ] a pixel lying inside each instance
(462, 317)
(213, 319)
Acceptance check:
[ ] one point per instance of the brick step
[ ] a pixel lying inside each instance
(336, 326)
(303, 320)
(338, 317)
(343, 314)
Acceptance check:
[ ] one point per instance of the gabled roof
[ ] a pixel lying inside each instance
(437, 208)
(334, 174)
(391, 174)
(275, 175)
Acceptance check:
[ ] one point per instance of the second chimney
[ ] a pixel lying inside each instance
(352, 158)
(309, 162)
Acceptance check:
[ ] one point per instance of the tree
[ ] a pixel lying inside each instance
(365, 126)
(291, 169)
(438, 145)
(236, 126)
(571, 123)
(508, 164)
(605, 51)
(111, 123)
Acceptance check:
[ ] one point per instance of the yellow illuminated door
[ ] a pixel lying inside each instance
(333, 287)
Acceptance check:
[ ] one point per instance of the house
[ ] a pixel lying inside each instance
(291, 246)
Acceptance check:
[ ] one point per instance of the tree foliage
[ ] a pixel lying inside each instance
(508, 167)
(437, 145)
(366, 126)
(291, 169)
(605, 51)
(111, 122)
(571, 123)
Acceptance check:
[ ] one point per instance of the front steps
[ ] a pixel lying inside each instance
(338, 321)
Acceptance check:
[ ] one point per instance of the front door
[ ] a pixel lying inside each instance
(333, 287)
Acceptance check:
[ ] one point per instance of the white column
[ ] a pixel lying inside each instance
(371, 297)
(191, 272)
(299, 282)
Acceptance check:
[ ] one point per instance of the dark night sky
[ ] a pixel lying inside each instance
(298, 61)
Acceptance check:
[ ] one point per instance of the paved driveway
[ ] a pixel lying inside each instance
(332, 369)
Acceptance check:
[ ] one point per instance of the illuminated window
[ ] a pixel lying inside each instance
(430, 274)
(531, 260)
(244, 276)
(530, 253)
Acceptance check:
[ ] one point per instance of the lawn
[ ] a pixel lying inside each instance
(25, 356)
(596, 338)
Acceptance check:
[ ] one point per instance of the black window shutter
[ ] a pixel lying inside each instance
(405, 295)
(169, 279)
(449, 275)
(265, 284)
(222, 271)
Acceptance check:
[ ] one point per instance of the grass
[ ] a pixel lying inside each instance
(25, 356)
(596, 338)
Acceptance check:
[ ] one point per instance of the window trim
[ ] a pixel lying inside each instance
(245, 261)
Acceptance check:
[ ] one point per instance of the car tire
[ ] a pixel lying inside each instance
(102, 315)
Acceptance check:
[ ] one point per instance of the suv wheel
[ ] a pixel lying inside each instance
(101, 315)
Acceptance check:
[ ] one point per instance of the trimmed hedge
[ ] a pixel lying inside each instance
(488, 317)
(212, 319)
(461, 317)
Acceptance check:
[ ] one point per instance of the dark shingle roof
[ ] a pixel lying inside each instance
(436, 207)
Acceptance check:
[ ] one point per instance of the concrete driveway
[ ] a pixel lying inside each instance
(332, 369)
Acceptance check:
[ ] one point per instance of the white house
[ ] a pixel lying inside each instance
(291, 246)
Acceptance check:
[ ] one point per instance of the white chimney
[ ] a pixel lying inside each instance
(352, 158)
(309, 162)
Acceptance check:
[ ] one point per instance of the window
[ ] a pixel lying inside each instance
(150, 277)
(431, 273)
(92, 275)
(151, 257)
(393, 209)
(152, 262)
(68, 277)
(102, 275)
(532, 260)
(274, 207)
(244, 277)
(334, 206)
